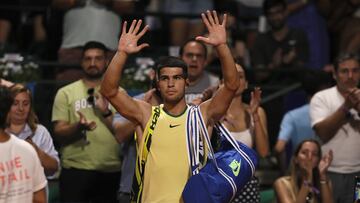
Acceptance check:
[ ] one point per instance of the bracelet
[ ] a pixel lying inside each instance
(323, 182)
(109, 113)
(346, 111)
(311, 187)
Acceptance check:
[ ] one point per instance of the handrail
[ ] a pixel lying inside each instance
(280, 93)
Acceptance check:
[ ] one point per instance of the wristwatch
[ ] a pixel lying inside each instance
(105, 115)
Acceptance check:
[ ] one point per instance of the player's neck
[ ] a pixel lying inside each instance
(175, 109)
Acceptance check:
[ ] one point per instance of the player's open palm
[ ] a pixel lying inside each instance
(128, 42)
(217, 30)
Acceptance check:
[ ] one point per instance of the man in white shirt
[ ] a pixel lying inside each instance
(22, 177)
(335, 118)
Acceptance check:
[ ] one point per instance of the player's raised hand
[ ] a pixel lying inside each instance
(128, 41)
(217, 30)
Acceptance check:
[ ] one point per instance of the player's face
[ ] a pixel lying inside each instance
(171, 83)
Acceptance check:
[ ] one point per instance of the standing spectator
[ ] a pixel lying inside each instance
(335, 119)
(194, 54)
(83, 125)
(281, 47)
(88, 20)
(23, 123)
(296, 125)
(164, 179)
(22, 176)
(307, 181)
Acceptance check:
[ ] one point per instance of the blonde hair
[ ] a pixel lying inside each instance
(32, 120)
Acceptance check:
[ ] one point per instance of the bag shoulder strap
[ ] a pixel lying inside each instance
(142, 158)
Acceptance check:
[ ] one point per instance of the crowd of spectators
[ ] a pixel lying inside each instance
(315, 43)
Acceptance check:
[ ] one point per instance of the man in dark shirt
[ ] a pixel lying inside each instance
(281, 47)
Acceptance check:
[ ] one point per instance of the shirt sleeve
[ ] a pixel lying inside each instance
(318, 110)
(286, 127)
(47, 144)
(60, 110)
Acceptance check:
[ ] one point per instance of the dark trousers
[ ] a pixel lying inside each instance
(343, 186)
(77, 185)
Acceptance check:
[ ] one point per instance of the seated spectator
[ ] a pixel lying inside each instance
(307, 181)
(282, 47)
(23, 123)
(18, 158)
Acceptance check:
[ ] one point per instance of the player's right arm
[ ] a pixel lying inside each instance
(134, 110)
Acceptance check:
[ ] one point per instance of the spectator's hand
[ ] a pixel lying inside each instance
(325, 163)
(289, 57)
(354, 98)
(5, 83)
(255, 100)
(29, 140)
(277, 58)
(217, 31)
(350, 98)
(85, 124)
(149, 95)
(101, 103)
(129, 39)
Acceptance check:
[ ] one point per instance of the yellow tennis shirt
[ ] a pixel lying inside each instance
(167, 167)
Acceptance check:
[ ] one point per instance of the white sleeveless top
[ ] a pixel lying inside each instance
(246, 137)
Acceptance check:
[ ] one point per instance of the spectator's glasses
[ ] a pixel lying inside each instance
(91, 98)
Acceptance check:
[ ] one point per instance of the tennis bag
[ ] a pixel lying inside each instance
(225, 172)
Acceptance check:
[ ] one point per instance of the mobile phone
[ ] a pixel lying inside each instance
(357, 189)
